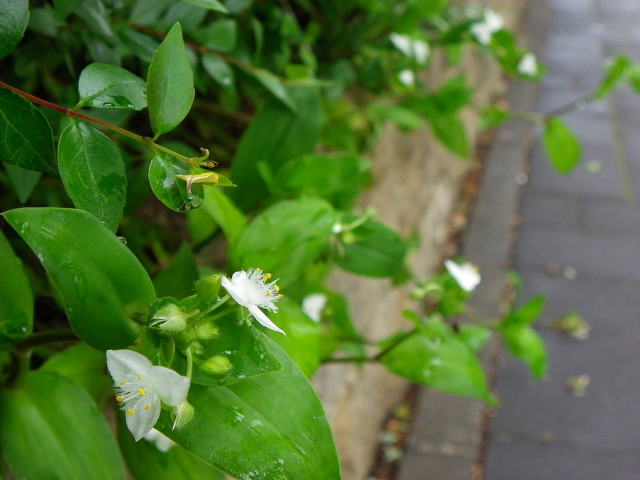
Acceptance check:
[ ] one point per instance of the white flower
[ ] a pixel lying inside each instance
(313, 305)
(141, 387)
(528, 65)
(417, 49)
(407, 77)
(483, 31)
(163, 443)
(251, 290)
(466, 274)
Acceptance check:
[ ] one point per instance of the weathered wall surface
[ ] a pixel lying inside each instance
(416, 187)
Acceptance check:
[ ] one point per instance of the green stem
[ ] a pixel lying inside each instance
(49, 336)
(72, 113)
(220, 314)
(217, 304)
(189, 356)
(348, 360)
(383, 352)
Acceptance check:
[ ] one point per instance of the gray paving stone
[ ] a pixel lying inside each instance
(594, 255)
(609, 216)
(550, 210)
(530, 461)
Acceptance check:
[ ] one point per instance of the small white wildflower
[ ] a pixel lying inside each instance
(402, 43)
(163, 443)
(313, 305)
(483, 31)
(528, 65)
(337, 228)
(141, 387)
(407, 77)
(251, 290)
(420, 51)
(466, 274)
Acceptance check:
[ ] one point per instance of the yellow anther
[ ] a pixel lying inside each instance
(147, 407)
(139, 377)
(277, 288)
(266, 277)
(119, 398)
(123, 382)
(130, 411)
(280, 296)
(141, 391)
(268, 293)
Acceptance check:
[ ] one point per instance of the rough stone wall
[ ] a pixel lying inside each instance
(416, 186)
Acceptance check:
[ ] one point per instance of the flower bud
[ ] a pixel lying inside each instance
(182, 414)
(217, 366)
(206, 331)
(170, 318)
(208, 287)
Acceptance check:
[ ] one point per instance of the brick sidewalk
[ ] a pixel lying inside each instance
(579, 244)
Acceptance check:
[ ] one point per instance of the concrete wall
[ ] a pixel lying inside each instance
(416, 187)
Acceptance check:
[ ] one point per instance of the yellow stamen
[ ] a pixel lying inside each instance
(123, 382)
(277, 288)
(280, 296)
(266, 277)
(131, 412)
(147, 407)
(140, 377)
(141, 391)
(119, 398)
(268, 293)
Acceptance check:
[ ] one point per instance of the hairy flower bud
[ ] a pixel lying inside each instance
(208, 287)
(217, 366)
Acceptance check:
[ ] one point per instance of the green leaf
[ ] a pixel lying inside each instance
(141, 45)
(14, 17)
(220, 35)
(616, 72)
(371, 249)
(240, 343)
(50, 428)
(169, 189)
(275, 135)
(528, 313)
(26, 138)
(491, 117)
(42, 21)
(337, 177)
(23, 180)
(273, 85)
(285, 238)
(170, 90)
(178, 278)
(93, 172)
(474, 336)
(405, 118)
(84, 366)
(230, 219)
(101, 283)
(435, 358)
(562, 147)
(451, 97)
(108, 86)
(266, 427)
(340, 331)
(16, 297)
(63, 8)
(303, 340)
(450, 130)
(146, 462)
(219, 70)
(525, 344)
(209, 4)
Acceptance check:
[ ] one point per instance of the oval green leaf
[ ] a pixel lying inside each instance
(264, 428)
(14, 17)
(450, 130)
(170, 90)
(562, 146)
(93, 172)
(108, 86)
(23, 180)
(524, 343)
(372, 249)
(102, 284)
(50, 428)
(169, 189)
(286, 237)
(26, 138)
(440, 361)
(209, 4)
(16, 297)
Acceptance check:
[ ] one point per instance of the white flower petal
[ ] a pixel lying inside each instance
(420, 51)
(407, 77)
(313, 305)
(528, 65)
(121, 363)
(263, 319)
(466, 275)
(402, 43)
(237, 293)
(142, 421)
(163, 443)
(171, 387)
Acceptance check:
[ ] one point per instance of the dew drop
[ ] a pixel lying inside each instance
(186, 445)
(123, 240)
(108, 105)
